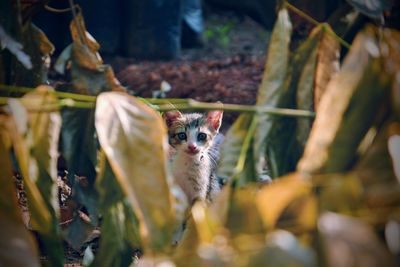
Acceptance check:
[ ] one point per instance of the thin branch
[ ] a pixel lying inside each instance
(193, 105)
(315, 22)
(23, 90)
(190, 105)
(57, 10)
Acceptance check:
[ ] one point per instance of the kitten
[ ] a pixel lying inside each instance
(195, 140)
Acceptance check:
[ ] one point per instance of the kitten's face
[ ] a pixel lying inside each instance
(192, 133)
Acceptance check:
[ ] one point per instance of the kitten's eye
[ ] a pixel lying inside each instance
(201, 137)
(181, 136)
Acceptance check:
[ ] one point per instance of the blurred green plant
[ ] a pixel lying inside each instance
(219, 34)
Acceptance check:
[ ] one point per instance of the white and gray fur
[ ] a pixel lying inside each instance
(194, 158)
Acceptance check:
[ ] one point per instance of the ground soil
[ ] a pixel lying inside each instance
(228, 68)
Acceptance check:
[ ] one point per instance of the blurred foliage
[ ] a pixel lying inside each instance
(219, 34)
(335, 180)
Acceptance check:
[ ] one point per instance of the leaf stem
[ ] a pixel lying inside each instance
(193, 104)
(245, 147)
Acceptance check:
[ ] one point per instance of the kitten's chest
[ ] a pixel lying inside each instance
(192, 175)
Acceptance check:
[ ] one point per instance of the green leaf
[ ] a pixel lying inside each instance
(294, 83)
(133, 137)
(271, 88)
(277, 60)
(12, 228)
(356, 91)
(114, 249)
(236, 161)
(45, 128)
(110, 191)
(40, 214)
(79, 148)
(120, 225)
(41, 139)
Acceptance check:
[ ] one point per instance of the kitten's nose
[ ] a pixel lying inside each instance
(192, 147)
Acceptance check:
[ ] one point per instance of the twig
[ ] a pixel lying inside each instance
(57, 10)
(75, 100)
(315, 22)
(192, 104)
(22, 90)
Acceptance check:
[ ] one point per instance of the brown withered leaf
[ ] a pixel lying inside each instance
(376, 169)
(340, 192)
(134, 139)
(242, 217)
(200, 249)
(15, 238)
(347, 109)
(327, 64)
(80, 35)
(273, 199)
(18, 130)
(45, 128)
(45, 46)
(307, 58)
(36, 144)
(347, 241)
(89, 74)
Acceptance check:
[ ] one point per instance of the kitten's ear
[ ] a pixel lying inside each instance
(214, 118)
(171, 116)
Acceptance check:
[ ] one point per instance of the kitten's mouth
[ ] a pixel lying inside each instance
(192, 152)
